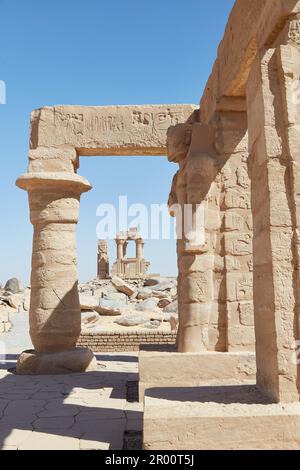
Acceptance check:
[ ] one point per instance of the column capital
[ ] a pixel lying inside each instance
(59, 180)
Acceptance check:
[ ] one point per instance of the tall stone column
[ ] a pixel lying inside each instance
(102, 260)
(139, 249)
(120, 246)
(54, 317)
(274, 121)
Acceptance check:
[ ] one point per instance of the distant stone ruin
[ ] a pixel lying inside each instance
(103, 260)
(130, 268)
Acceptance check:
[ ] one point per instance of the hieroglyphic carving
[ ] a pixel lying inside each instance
(238, 244)
(239, 286)
(78, 123)
(235, 200)
(160, 121)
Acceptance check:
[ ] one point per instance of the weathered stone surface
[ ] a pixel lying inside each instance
(148, 304)
(116, 297)
(65, 362)
(111, 307)
(88, 302)
(133, 319)
(123, 286)
(102, 260)
(107, 130)
(88, 318)
(144, 294)
(172, 307)
(199, 421)
(162, 303)
(164, 367)
(151, 282)
(13, 285)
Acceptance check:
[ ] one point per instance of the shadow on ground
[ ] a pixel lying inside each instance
(89, 411)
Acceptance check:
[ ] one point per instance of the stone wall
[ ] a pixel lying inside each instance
(124, 341)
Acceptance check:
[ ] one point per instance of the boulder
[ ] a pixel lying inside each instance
(144, 294)
(110, 307)
(123, 286)
(89, 317)
(88, 302)
(149, 304)
(162, 303)
(116, 297)
(16, 301)
(152, 325)
(13, 285)
(133, 319)
(151, 282)
(164, 285)
(172, 307)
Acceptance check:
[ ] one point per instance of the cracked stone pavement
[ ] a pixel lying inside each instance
(69, 412)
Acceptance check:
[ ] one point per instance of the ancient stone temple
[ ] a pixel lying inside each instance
(238, 248)
(102, 260)
(130, 268)
(59, 137)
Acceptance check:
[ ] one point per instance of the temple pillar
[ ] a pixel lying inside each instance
(54, 316)
(120, 251)
(274, 143)
(139, 249)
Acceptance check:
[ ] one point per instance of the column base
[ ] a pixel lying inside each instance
(65, 362)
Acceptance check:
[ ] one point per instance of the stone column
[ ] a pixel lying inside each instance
(274, 123)
(120, 254)
(54, 317)
(102, 260)
(139, 249)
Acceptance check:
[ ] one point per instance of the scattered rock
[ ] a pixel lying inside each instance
(156, 315)
(110, 307)
(116, 296)
(89, 317)
(152, 325)
(144, 294)
(174, 321)
(123, 286)
(162, 303)
(148, 304)
(88, 302)
(172, 307)
(13, 285)
(151, 282)
(164, 285)
(16, 301)
(133, 319)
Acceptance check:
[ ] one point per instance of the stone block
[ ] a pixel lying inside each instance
(218, 418)
(164, 367)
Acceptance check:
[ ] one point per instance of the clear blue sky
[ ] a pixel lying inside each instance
(97, 52)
